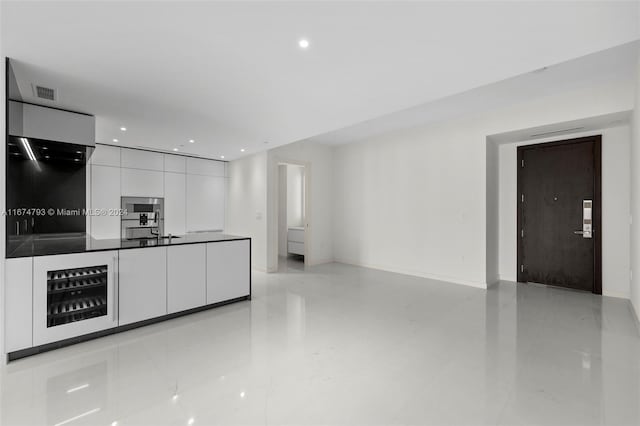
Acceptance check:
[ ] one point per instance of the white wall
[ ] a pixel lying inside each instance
(493, 216)
(282, 210)
(615, 208)
(247, 204)
(414, 201)
(635, 198)
(2, 203)
(295, 195)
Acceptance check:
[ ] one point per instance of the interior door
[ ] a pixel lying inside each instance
(559, 214)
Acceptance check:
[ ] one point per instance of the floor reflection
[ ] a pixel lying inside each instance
(337, 344)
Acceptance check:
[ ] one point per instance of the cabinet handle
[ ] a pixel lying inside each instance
(115, 290)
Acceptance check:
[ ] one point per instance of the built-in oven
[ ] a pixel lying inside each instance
(143, 217)
(74, 294)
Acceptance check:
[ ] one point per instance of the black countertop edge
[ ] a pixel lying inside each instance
(130, 245)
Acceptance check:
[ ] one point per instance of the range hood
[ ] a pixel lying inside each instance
(51, 124)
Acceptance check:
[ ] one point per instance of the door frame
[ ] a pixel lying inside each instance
(273, 245)
(597, 202)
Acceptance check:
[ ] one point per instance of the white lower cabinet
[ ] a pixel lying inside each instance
(18, 304)
(186, 277)
(142, 284)
(228, 270)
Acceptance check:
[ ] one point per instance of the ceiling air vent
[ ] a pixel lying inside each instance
(44, 92)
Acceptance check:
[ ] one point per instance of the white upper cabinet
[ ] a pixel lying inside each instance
(175, 202)
(140, 159)
(200, 166)
(193, 188)
(175, 163)
(105, 155)
(142, 183)
(105, 194)
(205, 203)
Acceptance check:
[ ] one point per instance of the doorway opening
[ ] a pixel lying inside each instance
(559, 214)
(292, 216)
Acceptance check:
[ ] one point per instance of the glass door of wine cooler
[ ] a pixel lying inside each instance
(74, 294)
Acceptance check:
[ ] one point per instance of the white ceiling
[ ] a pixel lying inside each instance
(617, 63)
(230, 74)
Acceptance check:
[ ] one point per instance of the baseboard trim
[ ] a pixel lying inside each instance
(22, 353)
(616, 295)
(635, 314)
(452, 280)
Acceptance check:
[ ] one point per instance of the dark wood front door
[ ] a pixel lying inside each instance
(554, 182)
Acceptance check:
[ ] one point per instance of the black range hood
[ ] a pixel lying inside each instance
(34, 129)
(44, 151)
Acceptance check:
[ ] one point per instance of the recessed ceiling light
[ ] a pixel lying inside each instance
(124, 129)
(303, 43)
(115, 140)
(191, 141)
(222, 156)
(241, 149)
(175, 149)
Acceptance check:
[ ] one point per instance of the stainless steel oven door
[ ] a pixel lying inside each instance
(73, 295)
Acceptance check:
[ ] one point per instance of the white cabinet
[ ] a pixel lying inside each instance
(205, 203)
(140, 159)
(201, 166)
(51, 271)
(295, 240)
(186, 277)
(18, 309)
(175, 203)
(193, 188)
(105, 155)
(228, 270)
(105, 194)
(175, 163)
(142, 183)
(142, 284)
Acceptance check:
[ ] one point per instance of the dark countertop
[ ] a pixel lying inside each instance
(50, 244)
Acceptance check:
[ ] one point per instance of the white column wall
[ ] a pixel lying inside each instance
(635, 198)
(247, 204)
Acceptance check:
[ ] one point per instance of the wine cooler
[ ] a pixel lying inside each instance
(74, 294)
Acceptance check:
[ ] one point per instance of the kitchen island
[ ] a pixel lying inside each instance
(62, 289)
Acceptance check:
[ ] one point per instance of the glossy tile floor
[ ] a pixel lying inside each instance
(337, 344)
